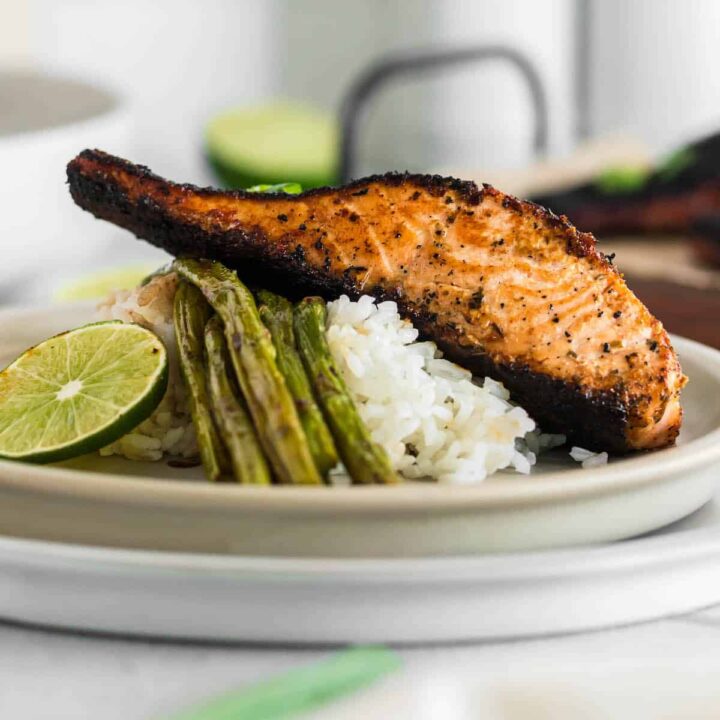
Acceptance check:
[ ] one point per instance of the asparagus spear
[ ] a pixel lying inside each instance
(277, 314)
(231, 416)
(165, 269)
(253, 358)
(364, 459)
(191, 312)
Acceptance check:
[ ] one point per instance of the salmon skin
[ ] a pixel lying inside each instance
(504, 287)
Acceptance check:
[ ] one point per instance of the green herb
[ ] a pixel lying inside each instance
(301, 690)
(620, 180)
(289, 188)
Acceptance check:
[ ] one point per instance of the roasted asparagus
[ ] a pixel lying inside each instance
(364, 459)
(277, 314)
(191, 313)
(252, 355)
(230, 413)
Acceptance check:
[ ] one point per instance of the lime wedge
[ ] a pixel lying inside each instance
(278, 143)
(79, 391)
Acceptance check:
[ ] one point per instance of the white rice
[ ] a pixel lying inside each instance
(588, 458)
(169, 430)
(433, 419)
(429, 414)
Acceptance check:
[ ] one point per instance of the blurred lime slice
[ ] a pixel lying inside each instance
(98, 285)
(278, 143)
(79, 391)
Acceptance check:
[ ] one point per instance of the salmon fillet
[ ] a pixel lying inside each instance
(504, 287)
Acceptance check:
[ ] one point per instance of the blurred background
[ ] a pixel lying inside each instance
(593, 107)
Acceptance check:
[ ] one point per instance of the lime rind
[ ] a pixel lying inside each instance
(272, 144)
(79, 391)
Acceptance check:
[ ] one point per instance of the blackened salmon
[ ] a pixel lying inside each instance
(504, 287)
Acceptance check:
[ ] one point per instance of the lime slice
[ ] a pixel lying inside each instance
(79, 391)
(278, 143)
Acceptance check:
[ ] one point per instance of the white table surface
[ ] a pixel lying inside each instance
(48, 674)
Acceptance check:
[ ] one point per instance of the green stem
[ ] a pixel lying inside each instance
(277, 314)
(252, 355)
(231, 416)
(191, 313)
(364, 459)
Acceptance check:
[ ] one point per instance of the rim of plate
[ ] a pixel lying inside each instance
(561, 486)
(629, 555)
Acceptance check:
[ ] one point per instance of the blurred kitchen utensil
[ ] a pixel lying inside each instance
(45, 120)
(409, 63)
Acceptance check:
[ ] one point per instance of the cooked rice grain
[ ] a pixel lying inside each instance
(429, 414)
(169, 430)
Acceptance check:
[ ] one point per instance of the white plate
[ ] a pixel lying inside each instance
(287, 600)
(113, 502)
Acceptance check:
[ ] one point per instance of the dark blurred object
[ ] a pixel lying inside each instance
(669, 277)
(687, 311)
(409, 63)
(632, 201)
(705, 239)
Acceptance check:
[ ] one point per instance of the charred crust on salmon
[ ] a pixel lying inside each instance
(543, 311)
(581, 244)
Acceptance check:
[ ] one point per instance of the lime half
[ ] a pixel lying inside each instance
(278, 143)
(79, 391)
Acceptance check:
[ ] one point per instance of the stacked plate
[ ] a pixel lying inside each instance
(110, 545)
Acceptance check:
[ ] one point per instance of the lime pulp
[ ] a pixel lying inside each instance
(79, 391)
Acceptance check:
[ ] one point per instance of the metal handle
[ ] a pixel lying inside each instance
(418, 61)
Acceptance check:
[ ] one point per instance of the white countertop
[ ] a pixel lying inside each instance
(48, 674)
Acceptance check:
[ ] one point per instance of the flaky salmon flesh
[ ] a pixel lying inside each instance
(504, 287)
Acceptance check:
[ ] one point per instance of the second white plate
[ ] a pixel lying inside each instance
(286, 600)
